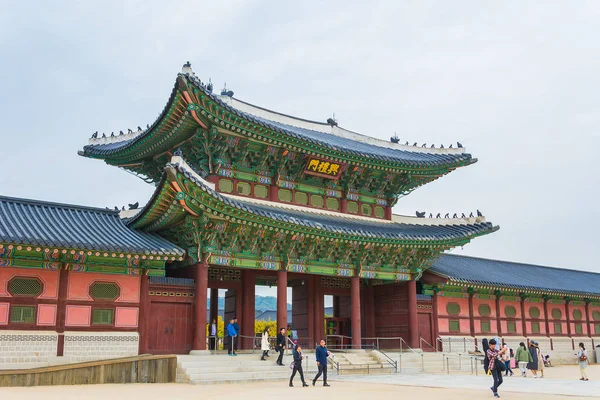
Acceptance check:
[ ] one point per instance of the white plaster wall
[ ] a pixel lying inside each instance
(88, 346)
(27, 349)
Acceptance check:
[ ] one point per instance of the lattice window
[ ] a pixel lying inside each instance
(284, 195)
(301, 198)
(534, 312)
(316, 201)
(454, 325)
(365, 209)
(225, 186)
(486, 326)
(244, 188)
(104, 291)
(22, 314)
(577, 315)
(103, 317)
(557, 327)
(453, 308)
(512, 327)
(333, 203)
(379, 212)
(579, 328)
(25, 287)
(510, 311)
(597, 329)
(556, 313)
(535, 327)
(260, 191)
(353, 207)
(484, 310)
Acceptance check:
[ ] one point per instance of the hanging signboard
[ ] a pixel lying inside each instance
(323, 168)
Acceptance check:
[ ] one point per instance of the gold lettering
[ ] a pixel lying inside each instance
(323, 167)
(333, 169)
(313, 165)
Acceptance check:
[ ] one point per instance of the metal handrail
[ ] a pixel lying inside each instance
(377, 339)
(389, 359)
(421, 341)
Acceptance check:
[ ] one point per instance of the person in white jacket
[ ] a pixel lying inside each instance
(264, 344)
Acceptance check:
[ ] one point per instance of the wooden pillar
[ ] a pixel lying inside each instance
(310, 305)
(436, 328)
(369, 311)
(274, 195)
(61, 312)
(281, 300)
(413, 321)
(248, 300)
(546, 319)
(319, 310)
(568, 311)
(498, 319)
(214, 304)
(523, 317)
(355, 304)
(200, 306)
(471, 314)
(144, 312)
(587, 320)
(344, 205)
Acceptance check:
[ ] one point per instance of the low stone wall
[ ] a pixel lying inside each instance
(87, 346)
(27, 349)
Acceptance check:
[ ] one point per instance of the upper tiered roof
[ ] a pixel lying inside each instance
(193, 111)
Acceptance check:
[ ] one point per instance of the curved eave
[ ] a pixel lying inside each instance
(223, 115)
(179, 181)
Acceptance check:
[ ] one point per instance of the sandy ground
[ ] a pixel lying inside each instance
(279, 390)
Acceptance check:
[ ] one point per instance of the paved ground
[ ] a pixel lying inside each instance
(453, 387)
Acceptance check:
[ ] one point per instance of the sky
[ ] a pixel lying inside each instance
(516, 82)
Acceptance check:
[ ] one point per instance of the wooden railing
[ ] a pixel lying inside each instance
(138, 369)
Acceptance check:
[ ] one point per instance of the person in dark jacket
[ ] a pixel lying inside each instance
(298, 357)
(533, 365)
(322, 353)
(237, 334)
(280, 347)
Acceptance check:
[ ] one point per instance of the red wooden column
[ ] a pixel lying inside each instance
(413, 321)
(200, 306)
(281, 300)
(144, 311)
(587, 318)
(319, 309)
(355, 304)
(436, 328)
(248, 301)
(63, 281)
(546, 320)
(498, 319)
(523, 317)
(471, 314)
(568, 311)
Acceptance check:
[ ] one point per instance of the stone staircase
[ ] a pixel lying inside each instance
(426, 362)
(221, 368)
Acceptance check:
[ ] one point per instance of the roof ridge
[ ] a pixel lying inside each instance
(34, 202)
(520, 263)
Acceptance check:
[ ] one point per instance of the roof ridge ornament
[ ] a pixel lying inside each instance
(332, 121)
(187, 69)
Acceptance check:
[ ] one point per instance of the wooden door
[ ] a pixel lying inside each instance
(170, 330)
(425, 331)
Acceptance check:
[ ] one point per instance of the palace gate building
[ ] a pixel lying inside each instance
(246, 196)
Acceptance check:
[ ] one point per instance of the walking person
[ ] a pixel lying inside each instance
(237, 334)
(264, 344)
(212, 335)
(583, 360)
(494, 355)
(233, 338)
(533, 364)
(523, 358)
(322, 353)
(540, 359)
(506, 359)
(280, 346)
(298, 357)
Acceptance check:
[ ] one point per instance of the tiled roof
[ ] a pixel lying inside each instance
(39, 223)
(368, 228)
(515, 275)
(414, 156)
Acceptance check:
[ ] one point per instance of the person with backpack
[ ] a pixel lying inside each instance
(495, 365)
(523, 358)
(583, 360)
(231, 331)
(508, 354)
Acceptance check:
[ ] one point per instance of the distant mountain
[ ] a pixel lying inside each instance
(261, 303)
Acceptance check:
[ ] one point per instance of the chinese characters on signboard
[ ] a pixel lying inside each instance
(323, 168)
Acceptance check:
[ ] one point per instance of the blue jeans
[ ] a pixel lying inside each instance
(508, 370)
(497, 375)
